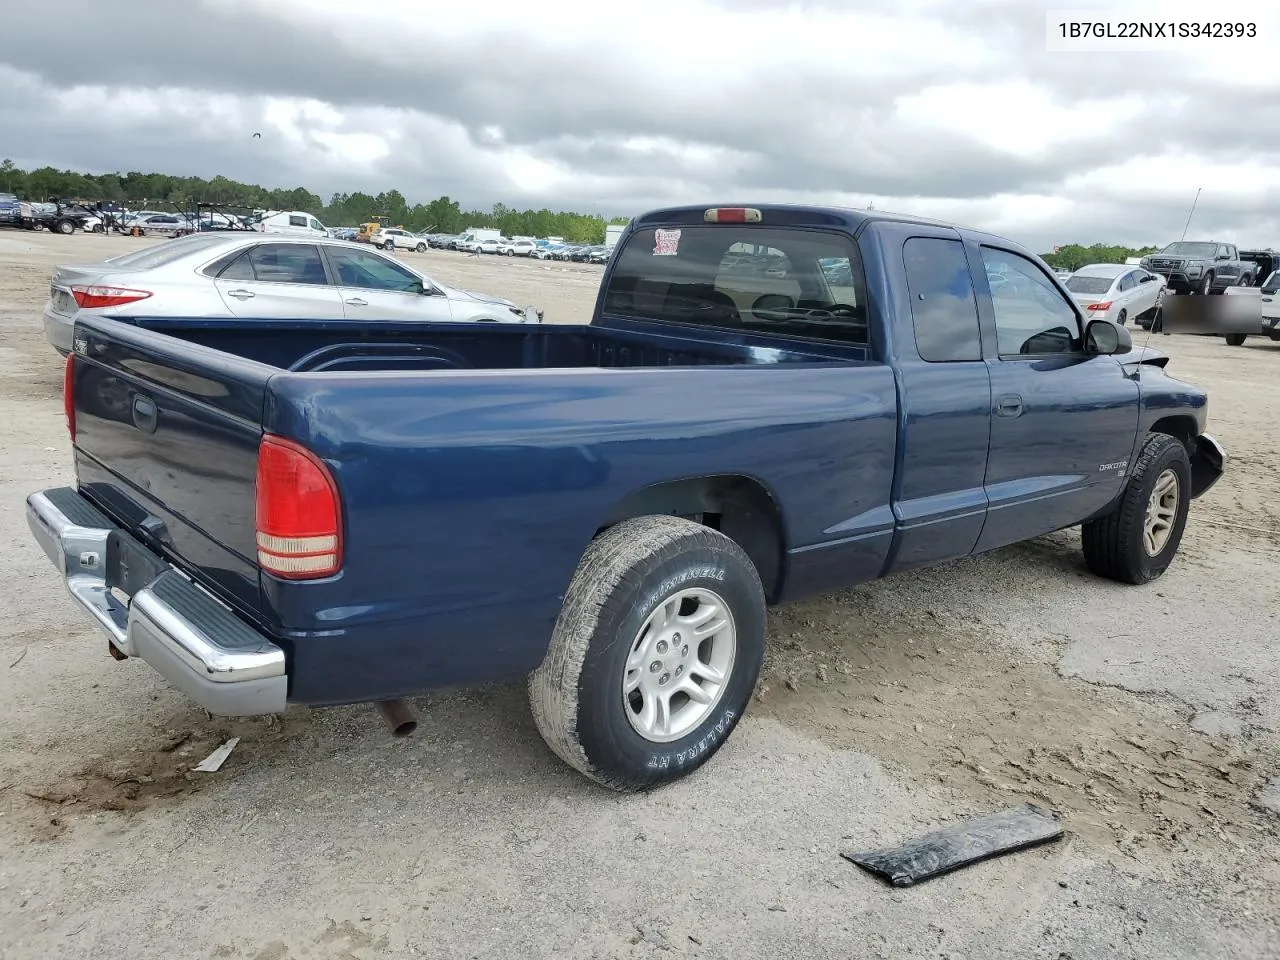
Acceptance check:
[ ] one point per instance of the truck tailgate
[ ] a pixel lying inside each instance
(166, 440)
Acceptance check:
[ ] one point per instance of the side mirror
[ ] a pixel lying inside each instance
(1105, 337)
(531, 315)
(1223, 256)
(1146, 279)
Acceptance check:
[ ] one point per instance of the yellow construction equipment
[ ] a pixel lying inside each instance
(367, 230)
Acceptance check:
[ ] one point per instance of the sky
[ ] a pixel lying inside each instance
(963, 110)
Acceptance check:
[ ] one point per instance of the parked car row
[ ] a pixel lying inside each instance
(536, 248)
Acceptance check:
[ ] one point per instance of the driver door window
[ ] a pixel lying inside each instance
(1032, 317)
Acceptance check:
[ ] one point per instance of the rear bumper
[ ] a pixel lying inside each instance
(1208, 461)
(58, 330)
(190, 639)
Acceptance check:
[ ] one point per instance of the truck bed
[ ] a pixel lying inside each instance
(309, 346)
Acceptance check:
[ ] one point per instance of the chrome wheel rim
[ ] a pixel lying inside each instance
(1162, 511)
(679, 665)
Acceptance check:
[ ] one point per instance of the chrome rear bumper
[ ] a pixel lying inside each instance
(189, 638)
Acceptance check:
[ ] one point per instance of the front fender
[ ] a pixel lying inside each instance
(1208, 462)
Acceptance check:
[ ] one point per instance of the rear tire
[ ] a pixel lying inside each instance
(1236, 339)
(607, 660)
(1124, 315)
(66, 227)
(1137, 541)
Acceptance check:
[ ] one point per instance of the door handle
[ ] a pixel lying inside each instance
(356, 302)
(1010, 405)
(240, 294)
(145, 416)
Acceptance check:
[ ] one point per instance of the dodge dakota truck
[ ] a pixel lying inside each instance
(767, 403)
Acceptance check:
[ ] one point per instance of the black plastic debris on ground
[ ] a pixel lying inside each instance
(965, 843)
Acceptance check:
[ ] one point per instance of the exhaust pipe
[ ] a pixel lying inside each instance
(399, 717)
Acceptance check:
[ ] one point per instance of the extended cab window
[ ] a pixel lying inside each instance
(943, 306)
(278, 263)
(1031, 316)
(778, 280)
(371, 272)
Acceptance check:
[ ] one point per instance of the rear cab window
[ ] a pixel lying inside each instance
(784, 281)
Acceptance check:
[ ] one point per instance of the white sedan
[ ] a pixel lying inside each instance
(1116, 291)
(249, 274)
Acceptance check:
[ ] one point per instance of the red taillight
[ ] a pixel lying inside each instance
(1104, 305)
(298, 512)
(69, 394)
(732, 215)
(95, 297)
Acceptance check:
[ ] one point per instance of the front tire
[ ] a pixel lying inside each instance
(420, 248)
(1137, 541)
(1206, 286)
(622, 695)
(1236, 339)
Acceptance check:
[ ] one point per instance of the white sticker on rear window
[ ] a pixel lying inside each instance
(666, 243)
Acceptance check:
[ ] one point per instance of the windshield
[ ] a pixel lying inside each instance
(1079, 284)
(801, 283)
(1191, 249)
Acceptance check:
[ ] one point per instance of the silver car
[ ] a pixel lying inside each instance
(249, 274)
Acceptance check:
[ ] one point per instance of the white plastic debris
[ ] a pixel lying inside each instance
(214, 761)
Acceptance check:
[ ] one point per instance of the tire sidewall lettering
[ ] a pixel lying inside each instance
(680, 758)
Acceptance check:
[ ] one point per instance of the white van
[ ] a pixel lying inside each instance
(294, 222)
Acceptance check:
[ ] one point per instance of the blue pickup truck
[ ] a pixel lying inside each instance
(768, 403)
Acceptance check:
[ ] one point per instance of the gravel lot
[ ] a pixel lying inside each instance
(1147, 716)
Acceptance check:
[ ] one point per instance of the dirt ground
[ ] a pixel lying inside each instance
(1149, 718)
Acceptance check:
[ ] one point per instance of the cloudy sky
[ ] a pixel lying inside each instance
(955, 109)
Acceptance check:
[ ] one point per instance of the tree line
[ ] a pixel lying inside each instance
(443, 215)
(1073, 256)
(159, 191)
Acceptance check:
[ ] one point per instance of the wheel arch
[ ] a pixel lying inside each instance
(741, 507)
(1181, 426)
